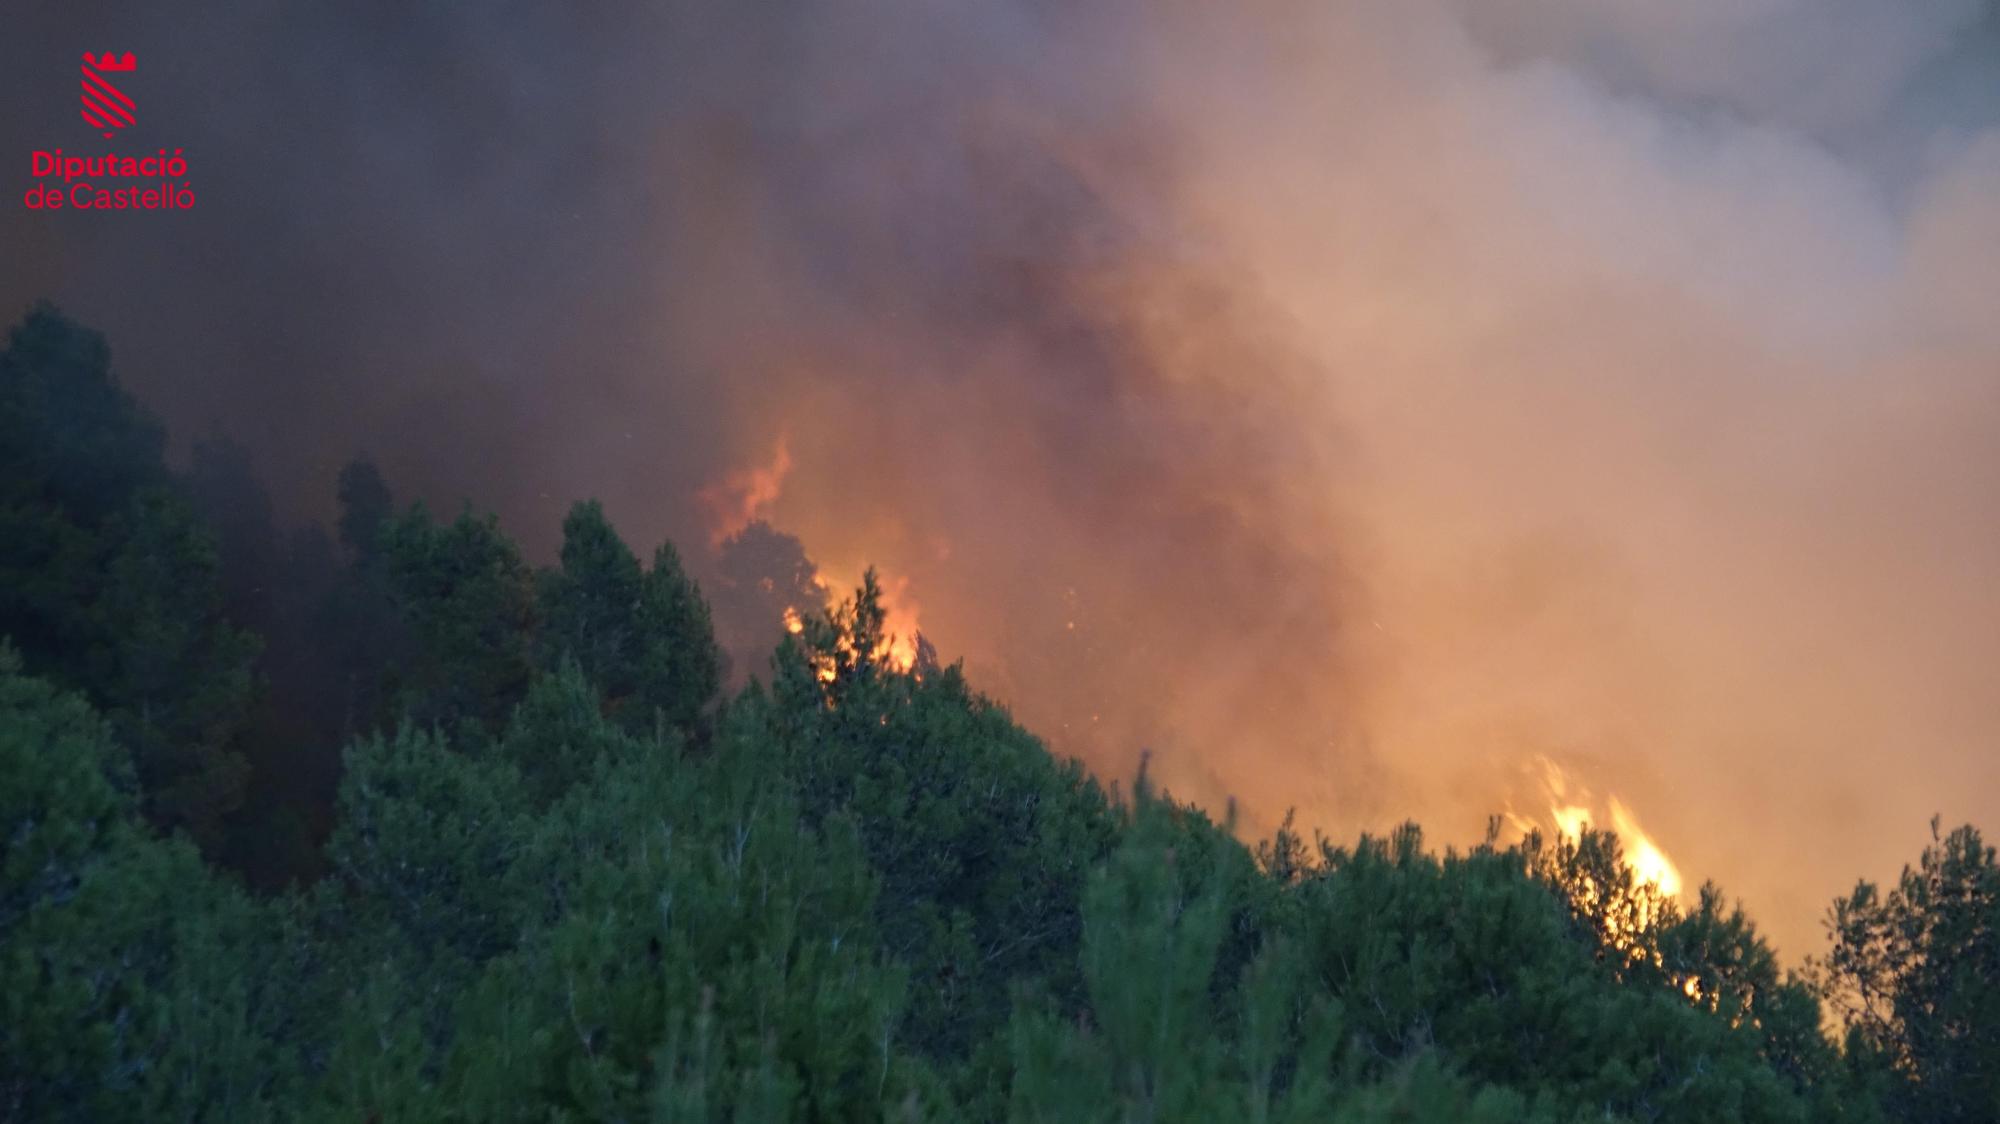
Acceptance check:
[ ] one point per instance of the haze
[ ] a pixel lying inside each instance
(1352, 404)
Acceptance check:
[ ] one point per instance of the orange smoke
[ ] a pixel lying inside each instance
(742, 496)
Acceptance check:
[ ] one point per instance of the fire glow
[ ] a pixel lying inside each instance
(1571, 808)
(746, 495)
(899, 611)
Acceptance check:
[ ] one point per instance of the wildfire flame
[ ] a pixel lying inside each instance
(1645, 857)
(905, 646)
(1570, 810)
(899, 615)
(902, 644)
(744, 495)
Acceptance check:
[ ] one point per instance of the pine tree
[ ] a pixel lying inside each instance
(174, 676)
(68, 430)
(134, 984)
(469, 601)
(761, 575)
(362, 637)
(643, 636)
(981, 838)
(428, 837)
(680, 666)
(591, 604)
(109, 584)
(1916, 972)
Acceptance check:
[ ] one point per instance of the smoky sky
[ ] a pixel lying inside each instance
(1349, 403)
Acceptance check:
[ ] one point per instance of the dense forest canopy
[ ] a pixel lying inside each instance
(387, 823)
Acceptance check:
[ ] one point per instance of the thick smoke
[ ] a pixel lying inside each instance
(1348, 402)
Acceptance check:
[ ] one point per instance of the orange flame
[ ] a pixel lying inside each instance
(899, 612)
(743, 496)
(899, 621)
(1643, 855)
(1570, 809)
(823, 667)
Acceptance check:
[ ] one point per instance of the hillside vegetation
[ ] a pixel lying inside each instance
(392, 825)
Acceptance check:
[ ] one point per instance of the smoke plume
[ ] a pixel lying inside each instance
(1353, 404)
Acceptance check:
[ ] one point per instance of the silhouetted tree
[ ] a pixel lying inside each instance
(680, 667)
(762, 574)
(1916, 972)
(590, 604)
(643, 636)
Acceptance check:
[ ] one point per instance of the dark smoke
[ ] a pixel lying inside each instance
(1346, 402)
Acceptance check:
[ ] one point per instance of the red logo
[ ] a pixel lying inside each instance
(108, 181)
(103, 104)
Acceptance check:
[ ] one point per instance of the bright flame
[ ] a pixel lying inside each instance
(899, 614)
(1570, 810)
(740, 498)
(1642, 854)
(899, 620)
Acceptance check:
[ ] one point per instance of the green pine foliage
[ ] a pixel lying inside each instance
(123, 989)
(108, 583)
(679, 666)
(591, 602)
(982, 839)
(567, 877)
(643, 636)
(867, 895)
(468, 598)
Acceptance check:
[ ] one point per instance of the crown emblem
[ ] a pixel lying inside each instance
(110, 62)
